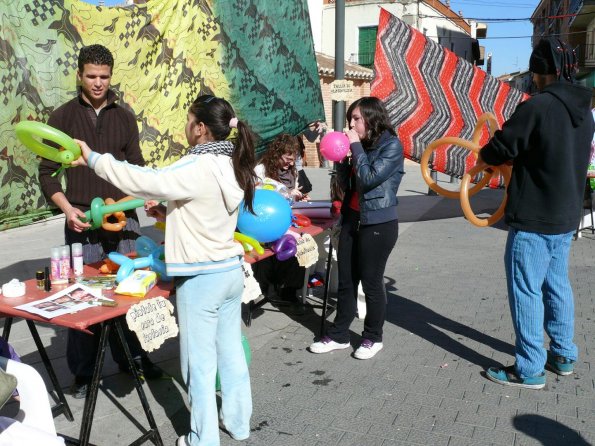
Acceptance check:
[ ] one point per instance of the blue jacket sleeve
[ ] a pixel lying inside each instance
(372, 174)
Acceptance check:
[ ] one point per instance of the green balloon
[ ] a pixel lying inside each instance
(99, 209)
(26, 132)
(247, 354)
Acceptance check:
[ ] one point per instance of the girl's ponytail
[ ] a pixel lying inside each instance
(218, 115)
(243, 163)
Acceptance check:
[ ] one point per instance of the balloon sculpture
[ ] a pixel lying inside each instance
(285, 247)
(101, 210)
(465, 192)
(248, 243)
(68, 152)
(272, 219)
(149, 256)
(334, 146)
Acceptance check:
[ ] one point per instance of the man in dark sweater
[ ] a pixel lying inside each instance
(548, 140)
(95, 117)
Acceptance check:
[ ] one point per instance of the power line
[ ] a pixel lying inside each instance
(515, 19)
(496, 4)
(504, 37)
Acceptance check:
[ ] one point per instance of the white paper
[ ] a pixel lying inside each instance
(251, 286)
(75, 298)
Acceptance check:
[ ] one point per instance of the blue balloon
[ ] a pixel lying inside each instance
(272, 219)
(150, 255)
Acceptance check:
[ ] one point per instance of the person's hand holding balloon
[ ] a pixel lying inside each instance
(73, 219)
(85, 152)
(353, 136)
(155, 209)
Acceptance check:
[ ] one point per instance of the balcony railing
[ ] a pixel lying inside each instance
(585, 54)
(363, 59)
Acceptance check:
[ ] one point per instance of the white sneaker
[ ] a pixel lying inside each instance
(326, 345)
(367, 349)
(182, 441)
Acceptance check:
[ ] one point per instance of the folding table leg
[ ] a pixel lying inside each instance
(6, 329)
(62, 406)
(153, 433)
(91, 399)
(326, 286)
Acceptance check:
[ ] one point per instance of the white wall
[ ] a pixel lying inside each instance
(315, 10)
(365, 13)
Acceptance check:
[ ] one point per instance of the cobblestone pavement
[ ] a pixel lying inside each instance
(447, 320)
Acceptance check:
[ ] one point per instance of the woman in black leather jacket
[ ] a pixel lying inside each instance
(370, 227)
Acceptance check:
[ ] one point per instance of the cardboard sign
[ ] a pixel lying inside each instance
(251, 286)
(307, 251)
(341, 90)
(153, 322)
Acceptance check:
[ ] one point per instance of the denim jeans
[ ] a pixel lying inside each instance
(209, 316)
(540, 297)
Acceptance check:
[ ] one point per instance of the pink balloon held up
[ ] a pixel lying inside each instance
(334, 146)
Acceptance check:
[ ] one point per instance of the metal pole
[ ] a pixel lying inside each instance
(339, 106)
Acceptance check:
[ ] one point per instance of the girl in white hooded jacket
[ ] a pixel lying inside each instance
(204, 191)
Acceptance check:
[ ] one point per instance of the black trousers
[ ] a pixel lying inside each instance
(362, 255)
(81, 348)
(287, 276)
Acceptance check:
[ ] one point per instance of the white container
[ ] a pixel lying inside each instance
(64, 262)
(77, 259)
(55, 265)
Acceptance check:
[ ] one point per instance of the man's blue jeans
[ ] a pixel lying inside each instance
(209, 316)
(540, 297)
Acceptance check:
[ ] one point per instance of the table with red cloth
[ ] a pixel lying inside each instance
(109, 318)
(317, 227)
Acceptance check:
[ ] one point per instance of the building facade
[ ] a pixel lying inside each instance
(574, 22)
(433, 18)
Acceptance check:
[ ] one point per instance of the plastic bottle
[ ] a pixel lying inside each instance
(77, 258)
(64, 262)
(55, 265)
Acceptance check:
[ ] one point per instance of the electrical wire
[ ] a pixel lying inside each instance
(488, 20)
(495, 4)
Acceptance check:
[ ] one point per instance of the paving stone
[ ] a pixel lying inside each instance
(444, 327)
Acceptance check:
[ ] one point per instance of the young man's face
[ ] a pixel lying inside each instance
(95, 81)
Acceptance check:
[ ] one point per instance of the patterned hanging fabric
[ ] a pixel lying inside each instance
(430, 93)
(257, 54)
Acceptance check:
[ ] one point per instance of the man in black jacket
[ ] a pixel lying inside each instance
(548, 140)
(94, 116)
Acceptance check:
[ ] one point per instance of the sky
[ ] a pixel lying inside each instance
(510, 53)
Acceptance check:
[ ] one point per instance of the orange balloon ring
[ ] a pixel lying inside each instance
(425, 170)
(119, 216)
(505, 171)
(465, 191)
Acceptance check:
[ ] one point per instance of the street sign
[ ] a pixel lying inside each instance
(341, 90)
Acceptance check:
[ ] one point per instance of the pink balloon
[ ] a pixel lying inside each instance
(334, 146)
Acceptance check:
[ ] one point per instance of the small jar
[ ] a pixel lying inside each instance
(40, 280)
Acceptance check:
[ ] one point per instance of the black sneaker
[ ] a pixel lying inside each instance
(145, 368)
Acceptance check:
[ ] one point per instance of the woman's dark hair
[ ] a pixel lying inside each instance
(216, 113)
(375, 117)
(283, 144)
